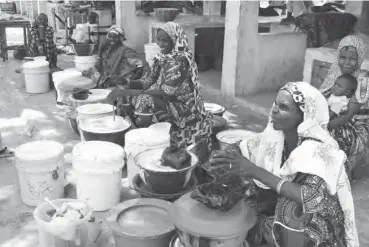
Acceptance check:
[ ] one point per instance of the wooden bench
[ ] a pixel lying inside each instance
(3, 40)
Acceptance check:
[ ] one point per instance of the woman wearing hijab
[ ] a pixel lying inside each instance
(116, 61)
(351, 128)
(297, 158)
(169, 93)
(41, 40)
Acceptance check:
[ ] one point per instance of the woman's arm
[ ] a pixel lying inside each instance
(289, 190)
(352, 109)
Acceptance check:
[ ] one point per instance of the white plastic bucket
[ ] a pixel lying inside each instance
(59, 77)
(151, 50)
(139, 140)
(40, 166)
(36, 76)
(84, 63)
(98, 173)
(48, 238)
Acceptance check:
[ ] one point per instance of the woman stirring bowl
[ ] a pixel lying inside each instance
(351, 128)
(169, 93)
(297, 158)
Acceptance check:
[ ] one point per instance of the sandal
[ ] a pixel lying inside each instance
(6, 153)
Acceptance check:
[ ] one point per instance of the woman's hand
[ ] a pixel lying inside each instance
(114, 95)
(41, 50)
(234, 160)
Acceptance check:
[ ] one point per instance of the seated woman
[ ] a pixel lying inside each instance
(350, 129)
(170, 92)
(41, 40)
(297, 158)
(116, 61)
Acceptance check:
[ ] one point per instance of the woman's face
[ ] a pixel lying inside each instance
(113, 39)
(348, 60)
(285, 113)
(164, 42)
(42, 20)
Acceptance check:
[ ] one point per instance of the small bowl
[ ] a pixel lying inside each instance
(214, 109)
(164, 181)
(166, 14)
(232, 136)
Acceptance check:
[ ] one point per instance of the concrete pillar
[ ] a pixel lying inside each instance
(118, 12)
(240, 37)
(211, 7)
(364, 18)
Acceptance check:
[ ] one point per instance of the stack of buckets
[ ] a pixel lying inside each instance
(84, 63)
(151, 50)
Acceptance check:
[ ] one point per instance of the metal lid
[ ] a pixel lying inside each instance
(192, 216)
(143, 218)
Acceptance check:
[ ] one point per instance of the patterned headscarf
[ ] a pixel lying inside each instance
(322, 158)
(119, 31)
(335, 71)
(180, 41)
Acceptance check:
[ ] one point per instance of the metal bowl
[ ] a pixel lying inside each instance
(160, 181)
(83, 49)
(166, 14)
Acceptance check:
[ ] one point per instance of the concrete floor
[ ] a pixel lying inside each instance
(20, 110)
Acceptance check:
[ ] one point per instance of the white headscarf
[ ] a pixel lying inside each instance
(335, 71)
(323, 159)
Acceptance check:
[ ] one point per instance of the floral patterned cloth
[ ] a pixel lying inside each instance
(352, 137)
(47, 42)
(318, 165)
(176, 75)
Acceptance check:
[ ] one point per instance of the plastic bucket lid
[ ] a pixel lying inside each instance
(98, 156)
(39, 150)
(35, 64)
(96, 95)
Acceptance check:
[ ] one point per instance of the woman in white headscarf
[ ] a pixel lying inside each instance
(296, 157)
(351, 128)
